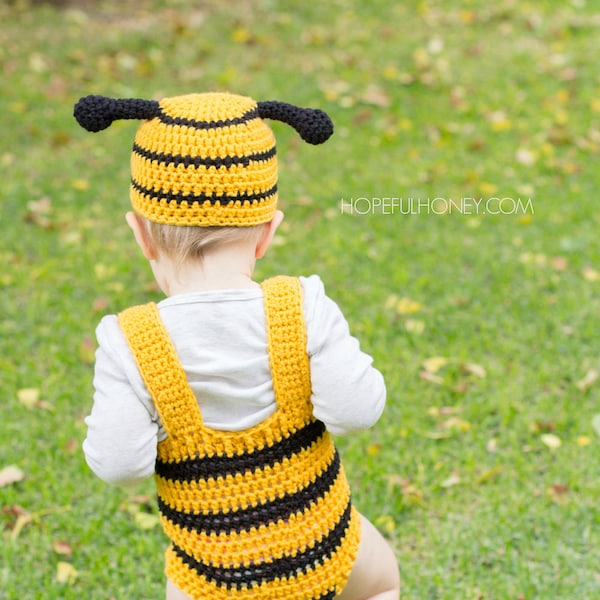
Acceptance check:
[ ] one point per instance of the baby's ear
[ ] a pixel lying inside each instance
(140, 233)
(313, 125)
(96, 113)
(267, 234)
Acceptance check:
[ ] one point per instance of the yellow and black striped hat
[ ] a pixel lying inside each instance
(204, 159)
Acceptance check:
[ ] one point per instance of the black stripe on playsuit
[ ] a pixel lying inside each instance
(263, 514)
(169, 120)
(285, 567)
(203, 161)
(201, 198)
(215, 466)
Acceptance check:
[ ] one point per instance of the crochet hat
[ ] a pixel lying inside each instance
(204, 159)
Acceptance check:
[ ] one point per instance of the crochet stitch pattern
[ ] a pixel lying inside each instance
(204, 159)
(262, 513)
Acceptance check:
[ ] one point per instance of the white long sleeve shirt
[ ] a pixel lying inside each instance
(221, 341)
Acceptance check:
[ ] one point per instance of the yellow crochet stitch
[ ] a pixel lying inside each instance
(263, 513)
(207, 159)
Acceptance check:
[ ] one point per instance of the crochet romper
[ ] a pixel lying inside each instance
(260, 513)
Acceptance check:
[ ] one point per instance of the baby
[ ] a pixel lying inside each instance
(228, 390)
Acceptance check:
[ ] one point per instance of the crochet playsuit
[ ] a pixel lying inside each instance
(261, 513)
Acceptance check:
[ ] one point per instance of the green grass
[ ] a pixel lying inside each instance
(430, 99)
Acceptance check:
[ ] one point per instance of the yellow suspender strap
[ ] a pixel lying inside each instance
(161, 370)
(287, 346)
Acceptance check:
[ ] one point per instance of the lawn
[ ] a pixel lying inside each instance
(453, 216)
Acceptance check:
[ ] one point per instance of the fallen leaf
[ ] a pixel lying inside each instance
(427, 376)
(451, 481)
(374, 449)
(87, 350)
(80, 184)
(492, 445)
(29, 397)
(584, 440)
(596, 423)
(146, 521)
(590, 274)
(434, 364)
(489, 474)
(474, 369)
(558, 492)
(406, 306)
(376, 96)
(525, 157)
(66, 573)
(62, 548)
(414, 326)
(552, 441)
(455, 424)
(588, 380)
(11, 474)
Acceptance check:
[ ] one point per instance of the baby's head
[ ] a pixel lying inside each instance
(203, 161)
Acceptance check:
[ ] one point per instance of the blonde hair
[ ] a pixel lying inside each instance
(183, 244)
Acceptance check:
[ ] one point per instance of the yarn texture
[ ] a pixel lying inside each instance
(261, 513)
(204, 159)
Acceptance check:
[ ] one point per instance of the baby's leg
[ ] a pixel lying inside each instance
(375, 574)
(174, 593)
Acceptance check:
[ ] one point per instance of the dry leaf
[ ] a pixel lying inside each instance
(558, 492)
(62, 548)
(590, 274)
(146, 520)
(414, 326)
(588, 380)
(453, 480)
(406, 306)
(427, 376)
(87, 350)
(489, 474)
(29, 397)
(596, 423)
(474, 369)
(11, 474)
(66, 573)
(434, 364)
(552, 441)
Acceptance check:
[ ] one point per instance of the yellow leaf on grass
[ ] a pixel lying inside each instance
(434, 364)
(489, 474)
(584, 440)
(415, 326)
(552, 441)
(588, 380)
(453, 480)
(474, 369)
(590, 274)
(29, 397)
(146, 521)
(66, 573)
(406, 306)
(11, 474)
(80, 184)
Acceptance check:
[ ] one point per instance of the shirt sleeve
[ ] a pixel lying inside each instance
(123, 426)
(348, 393)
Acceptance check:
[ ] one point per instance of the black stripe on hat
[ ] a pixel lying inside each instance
(203, 161)
(287, 567)
(213, 198)
(272, 511)
(220, 466)
(247, 116)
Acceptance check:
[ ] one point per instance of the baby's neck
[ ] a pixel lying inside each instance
(228, 268)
